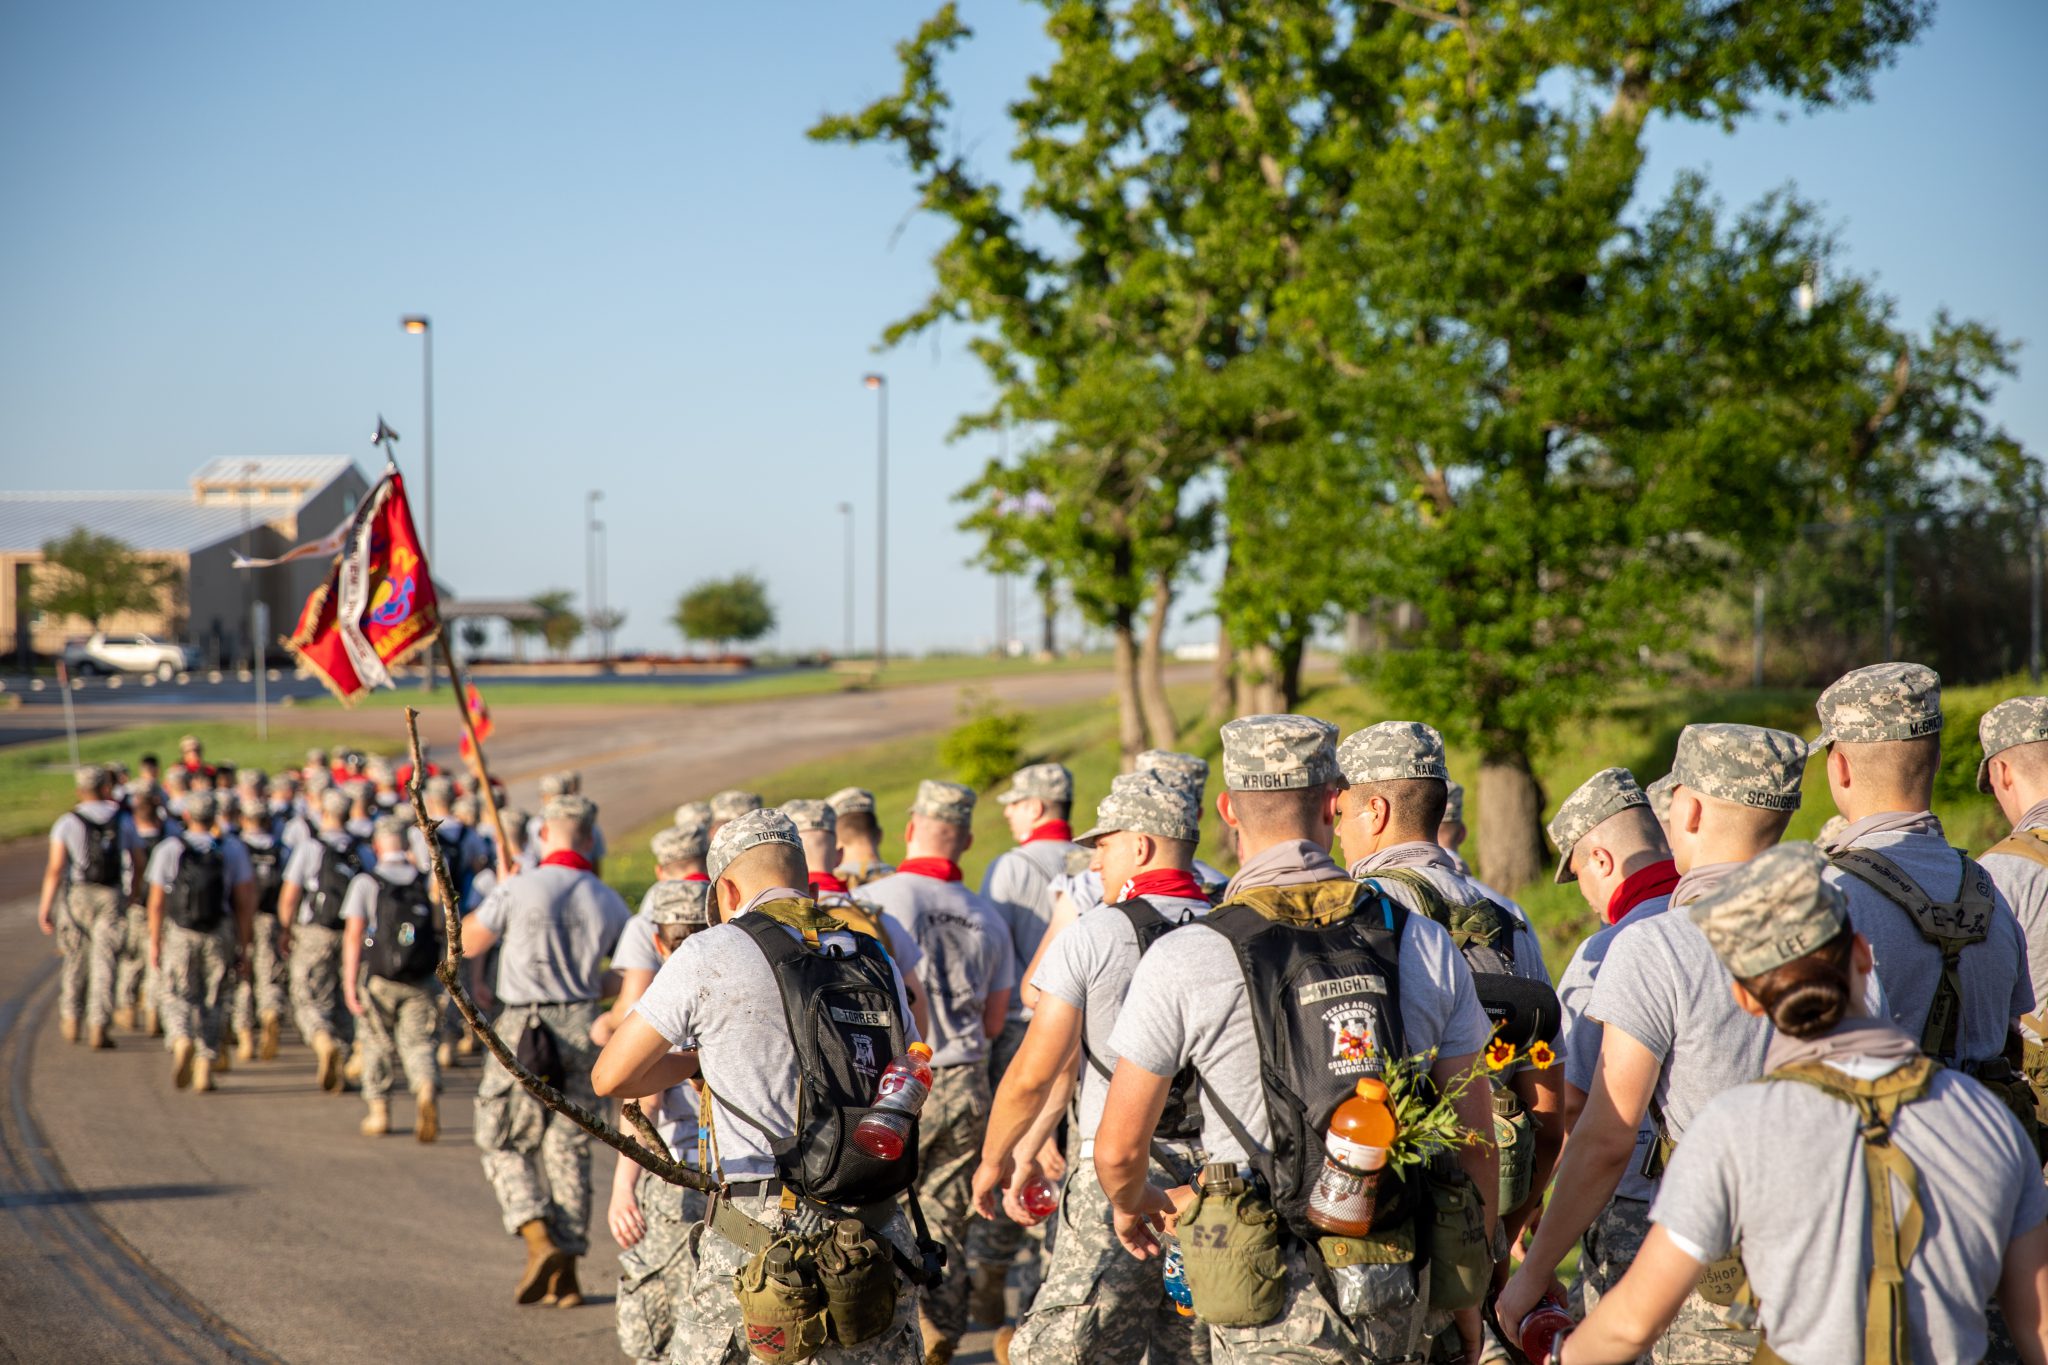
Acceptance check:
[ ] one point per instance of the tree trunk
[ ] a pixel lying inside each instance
(1162, 727)
(1287, 678)
(1223, 680)
(1130, 723)
(1510, 818)
(1258, 687)
(1049, 608)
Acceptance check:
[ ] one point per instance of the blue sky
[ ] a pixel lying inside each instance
(643, 279)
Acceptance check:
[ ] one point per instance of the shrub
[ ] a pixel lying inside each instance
(987, 746)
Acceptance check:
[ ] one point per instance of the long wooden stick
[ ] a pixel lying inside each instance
(476, 757)
(650, 1152)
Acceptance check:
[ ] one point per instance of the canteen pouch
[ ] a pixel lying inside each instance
(1460, 1253)
(1373, 1276)
(859, 1281)
(2034, 1065)
(783, 1320)
(1725, 1284)
(1230, 1245)
(539, 1053)
(1515, 1137)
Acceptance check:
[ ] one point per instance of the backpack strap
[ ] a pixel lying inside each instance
(2031, 844)
(1472, 924)
(1950, 926)
(1895, 1230)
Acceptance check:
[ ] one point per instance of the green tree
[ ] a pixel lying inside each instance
(725, 611)
(559, 624)
(97, 577)
(474, 637)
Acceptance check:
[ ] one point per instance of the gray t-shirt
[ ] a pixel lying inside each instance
(2024, 884)
(69, 831)
(1997, 988)
(965, 956)
(1019, 885)
(717, 993)
(1435, 863)
(234, 859)
(1778, 1166)
(1578, 1037)
(1188, 1003)
(555, 925)
(361, 900)
(1662, 986)
(635, 951)
(1089, 966)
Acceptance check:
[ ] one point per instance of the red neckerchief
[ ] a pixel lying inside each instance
(563, 857)
(695, 877)
(1647, 884)
(1163, 881)
(1051, 829)
(825, 881)
(939, 869)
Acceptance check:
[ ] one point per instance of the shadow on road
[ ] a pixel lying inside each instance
(115, 1194)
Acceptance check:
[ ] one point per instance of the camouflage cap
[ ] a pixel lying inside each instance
(188, 742)
(1147, 803)
(334, 802)
(947, 801)
(1392, 751)
(91, 777)
(1776, 908)
(1454, 802)
(671, 846)
(749, 830)
(319, 780)
(852, 801)
(438, 789)
(1746, 764)
(731, 805)
(1659, 793)
(200, 808)
(390, 827)
(252, 779)
(1049, 782)
(1879, 703)
(552, 785)
(694, 815)
(1599, 798)
(811, 816)
(1830, 829)
(571, 807)
(2020, 720)
(1278, 753)
(679, 903)
(1181, 769)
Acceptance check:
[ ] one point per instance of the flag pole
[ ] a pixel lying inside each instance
(476, 754)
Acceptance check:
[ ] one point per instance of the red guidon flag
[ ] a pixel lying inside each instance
(479, 716)
(377, 608)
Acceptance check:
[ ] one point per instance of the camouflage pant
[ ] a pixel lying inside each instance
(90, 924)
(135, 981)
(653, 1272)
(1098, 1302)
(538, 1165)
(263, 990)
(315, 968)
(1000, 1238)
(195, 971)
(1701, 1334)
(1309, 1332)
(399, 1019)
(949, 1132)
(1999, 1347)
(707, 1316)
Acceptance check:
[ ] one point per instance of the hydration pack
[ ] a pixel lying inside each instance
(401, 944)
(102, 863)
(1181, 1120)
(197, 896)
(1950, 926)
(268, 865)
(338, 867)
(1482, 929)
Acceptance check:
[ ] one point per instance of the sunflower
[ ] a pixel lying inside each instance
(1541, 1057)
(1499, 1054)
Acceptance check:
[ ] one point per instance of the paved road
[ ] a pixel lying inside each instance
(138, 1223)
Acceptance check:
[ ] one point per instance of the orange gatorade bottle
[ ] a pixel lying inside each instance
(1354, 1155)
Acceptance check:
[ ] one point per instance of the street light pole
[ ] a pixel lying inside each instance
(880, 385)
(846, 511)
(590, 501)
(419, 325)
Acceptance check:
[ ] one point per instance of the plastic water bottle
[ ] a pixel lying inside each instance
(1346, 1191)
(898, 1096)
(1176, 1272)
(1039, 1198)
(1547, 1324)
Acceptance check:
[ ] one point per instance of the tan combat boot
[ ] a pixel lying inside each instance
(266, 1047)
(202, 1074)
(181, 1063)
(327, 1058)
(1001, 1345)
(563, 1291)
(543, 1261)
(352, 1073)
(377, 1122)
(444, 1056)
(69, 1028)
(152, 1025)
(221, 1053)
(124, 1019)
(96, 1035)
(245, 1046)
(427, 1126)
(938, 1350)
(465, 1046)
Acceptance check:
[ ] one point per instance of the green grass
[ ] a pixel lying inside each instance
(36, 780)
(1639, 732)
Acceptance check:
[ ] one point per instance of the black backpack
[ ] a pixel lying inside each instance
(197, 896)
(401, 943)
(844, 1018)
(1483, 929)
(338, 867)
(268, 865)
(102, 864)
(1181, 1120)
(458, 866)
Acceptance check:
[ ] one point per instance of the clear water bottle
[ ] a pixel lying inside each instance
(1039, 1198)
(1547, 1325)
(898, 1096)
(1176, 1272)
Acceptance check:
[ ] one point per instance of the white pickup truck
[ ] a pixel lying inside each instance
(103, 653)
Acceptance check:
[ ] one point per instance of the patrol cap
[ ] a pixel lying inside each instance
(1746, 764)
(439, 789)
(947, 801)
(1659, 793)
(319, 780)
(1882, 702)
(1049, 782)
(811, 816)
(1278, 753)
(672, 845)
(91, 777)
(749, 830)
(694, 815)
(334, 801)
(852, 801)
(1776, 908)
(731, 805)
(252, 780)
(2021, 720)
(390, 827)
(1392, 751)
(1454, 802)
(553, 785)
(200, 808)
(189, 742)
(1831, 829)
(1182, 769)
(569, 807)
(679, 902)
(1599, 798)
(1146, 803)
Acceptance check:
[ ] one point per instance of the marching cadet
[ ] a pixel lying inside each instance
(292, 822)
(1097, 1301)
(1659, 794)
(1348, 956)
(650, 1218)
(817, 826)
(968, 969)
(694, 815)
(198, 886)
(728, 806)
(553, 926)
(391, 944)
(739, 995)
(1900, 1196)
(678, 857)
(2015, 772)
(259, 998)
(1671, 1036)
(860, 837)
(1451, 834)
(135, 980)
(1018, 882)
(85, 867)
(637, 957)
(309, 916)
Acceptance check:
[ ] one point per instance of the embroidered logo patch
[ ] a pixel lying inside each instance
(1352, 1026)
